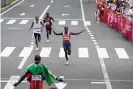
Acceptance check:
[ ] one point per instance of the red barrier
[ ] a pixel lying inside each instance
(115, 23)
(128, 29)
(132, 31)
(119, 22)
(122, 27)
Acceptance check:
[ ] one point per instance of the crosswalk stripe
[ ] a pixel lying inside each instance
(1, 20)
(61, 53)
(121, 53)
(74, 22)
(13, 79)
(7, 51)
(62, 23)
(24, 22)
(45, 52)
(87, 23)
(26, 52)
(83, 53)
(11, 22)
(102, 53)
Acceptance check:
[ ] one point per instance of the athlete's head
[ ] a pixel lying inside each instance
(37, 59)
(47, 14)
(66, 29)
(36, 18)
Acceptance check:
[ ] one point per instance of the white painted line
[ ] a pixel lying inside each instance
(92, 37)
(32, 46)
(15, 18)
(1, 20)
(7, 51)
(62, 23)
(24, 22)
(67, 6)
(22, 14)
(15, 28)
(11, 22)
(74, 22)
(83, 53)
(82, 10)
(65, 14)
(11, 7)
(121, 53)
(98, 82)
(87, 23)
(52, 1)
(95, 43)
(25, 54)
(45, 52)
(61, 53)
(41, 17)
(32, 43)
(94, 40)
(102, 53)
(97, 46)
(89, 31)
(10, 83)
(31, 5)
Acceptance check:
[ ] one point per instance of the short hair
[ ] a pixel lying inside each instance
(37, 58)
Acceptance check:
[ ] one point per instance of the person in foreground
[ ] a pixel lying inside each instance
(36, 73)
(66, 41)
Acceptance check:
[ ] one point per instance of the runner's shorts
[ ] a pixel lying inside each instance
(68, 45)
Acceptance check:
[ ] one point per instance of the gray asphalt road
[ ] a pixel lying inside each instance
(86, 69)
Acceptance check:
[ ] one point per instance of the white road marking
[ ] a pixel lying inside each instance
(102, 53)
(11, 22)
(15, 28)
(98, 82)
(32, 43)
(41, 17)
(89, 31)
(74, 22)
(24, 22)
(45, 52)
(61, 53)
(87, 23)
(97, 46)
(121, 53)
(95, 43)
(22, 14)
(25, 54)
(82, 10)
(7, 51)
(92, 37)
(67, 6)
(1, 20)
(94, 40)
(31, 5)
(32, 46)
(62, 23)
(10, 83)
(15, 18)
(83, 53)
(52, 1)
(11, 7)
(65, 14)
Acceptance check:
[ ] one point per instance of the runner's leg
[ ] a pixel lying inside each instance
(47, 32)
(39, 37)
(65, 50)
(35, 35)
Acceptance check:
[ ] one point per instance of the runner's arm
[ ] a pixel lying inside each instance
(77, 33)
(32, 26)
(57, 33)
(52, 19)
(21, 79)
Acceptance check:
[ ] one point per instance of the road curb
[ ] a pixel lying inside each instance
(10, 5)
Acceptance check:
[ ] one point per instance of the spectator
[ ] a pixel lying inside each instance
(128, 12)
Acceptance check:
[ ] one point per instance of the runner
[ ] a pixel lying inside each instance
(38, 26)
(36, 73)
(66, 41)
(48, 24)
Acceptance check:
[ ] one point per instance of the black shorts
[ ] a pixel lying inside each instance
(48, 30)
(37, 36)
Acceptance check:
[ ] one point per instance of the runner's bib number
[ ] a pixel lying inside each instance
(47, 23)
(66, 38)
(36, 77)
(38, 29)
